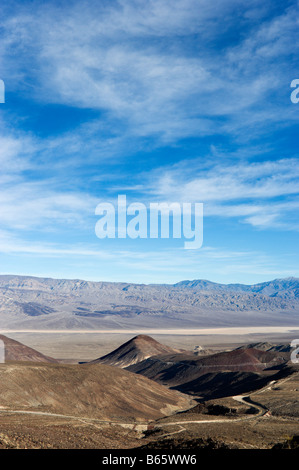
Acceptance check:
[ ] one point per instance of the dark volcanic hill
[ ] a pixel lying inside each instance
(135, 350)
(217, 375)
(282, 351)
(225, 384)
(173, 370)
(214, 375)
(38, 303)
(15, 351)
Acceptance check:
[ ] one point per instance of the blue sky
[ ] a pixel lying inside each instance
(177, 101)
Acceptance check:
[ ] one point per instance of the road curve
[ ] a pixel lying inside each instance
(145, 426)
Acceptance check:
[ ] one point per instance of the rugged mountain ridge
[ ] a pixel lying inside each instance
(276, 287)
(29, 302)
(287, 288)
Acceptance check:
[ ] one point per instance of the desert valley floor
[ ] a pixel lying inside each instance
(181, 391)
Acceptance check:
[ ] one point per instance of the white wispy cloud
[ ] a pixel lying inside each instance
(12, 244)
(29, 205)
(171, 265)
(263, 194)
(155, 73)
(263, 180)
(109, 56)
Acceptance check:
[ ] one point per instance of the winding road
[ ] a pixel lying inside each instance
(145, 426)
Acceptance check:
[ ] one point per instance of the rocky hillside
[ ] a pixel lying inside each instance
(94, 391)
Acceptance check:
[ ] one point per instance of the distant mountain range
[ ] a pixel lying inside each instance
(30, 302)
(287, 288)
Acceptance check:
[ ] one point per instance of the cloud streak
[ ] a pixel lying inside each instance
(263, 194)
(172, 89)
(160, 100)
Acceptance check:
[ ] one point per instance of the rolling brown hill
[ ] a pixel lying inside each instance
(15, 351)
(92, 390)
(135, 350)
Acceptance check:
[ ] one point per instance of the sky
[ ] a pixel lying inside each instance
(161, 101)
